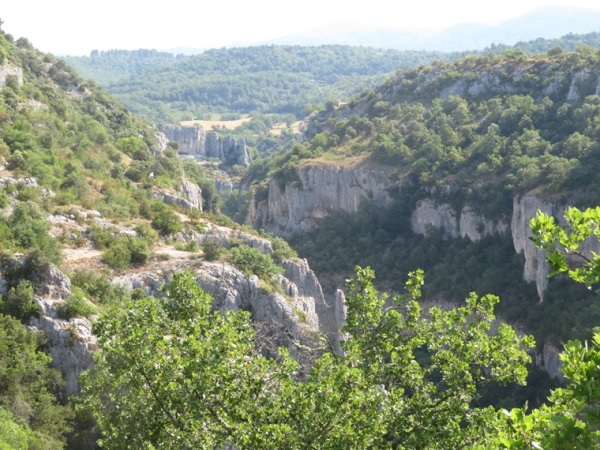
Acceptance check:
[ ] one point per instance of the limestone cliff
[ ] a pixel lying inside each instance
(467, 224)
(318, 192)
(70, 342)
(194, 141)
(9, 70)
(536, 268)
(189, 196)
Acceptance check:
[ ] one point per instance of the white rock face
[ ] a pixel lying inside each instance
(8, 70)
(194, 141)
(429, 215)
(190, 196)
(549, 361)
(536, 268)
(469, 224)
(233, 290)
(70, 343)
(298, 205)
(475, 227)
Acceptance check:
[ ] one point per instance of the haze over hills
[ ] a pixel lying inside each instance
(549, 22)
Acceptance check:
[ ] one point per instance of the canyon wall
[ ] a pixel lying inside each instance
(194, 141)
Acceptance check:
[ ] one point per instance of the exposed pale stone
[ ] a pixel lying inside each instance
(318, 192)
(536, 268)
(194, 141)
(8, 70)
(429, 215)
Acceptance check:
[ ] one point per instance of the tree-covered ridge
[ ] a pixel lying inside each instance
(112, 66)
(476, 131)
(568, 42)
(283, 79)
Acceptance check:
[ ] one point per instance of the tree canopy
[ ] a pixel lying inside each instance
(174, 373)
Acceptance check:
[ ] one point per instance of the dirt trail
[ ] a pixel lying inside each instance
(164, 256)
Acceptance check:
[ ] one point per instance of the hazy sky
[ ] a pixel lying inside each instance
(75, 27)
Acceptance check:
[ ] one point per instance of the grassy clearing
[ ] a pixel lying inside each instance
(209, 124)
(278, 128)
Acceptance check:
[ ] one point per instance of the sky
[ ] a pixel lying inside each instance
(75, 27)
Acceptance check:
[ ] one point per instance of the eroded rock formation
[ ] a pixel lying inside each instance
(319, 191)
(194, 141)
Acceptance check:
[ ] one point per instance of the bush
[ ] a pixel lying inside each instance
(213, 250)
(282, 250)
(19, 302)
(76, 305)
(139, 249)
(99, 288)
(165, 219)
(251, 261)
(117, 256)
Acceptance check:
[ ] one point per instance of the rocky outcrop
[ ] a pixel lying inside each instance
(70, 342)
(536, 268)
(427, 216)
(9, 70)
(549, 361)
(194, 141)
(318, 192)
(475, 227)
(189, 197)
(469, 224)
(291, 316)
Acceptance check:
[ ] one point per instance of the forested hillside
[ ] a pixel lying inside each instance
(443, 157)
(131, 318)
(113, 66)
(266, 79)
(277, 79)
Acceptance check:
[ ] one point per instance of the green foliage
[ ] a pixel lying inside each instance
(28, 224)
(165, 219)
(561, 243)
(190, 377)
(571, 418)
(19, 302)
(276, 79)
(76, 305)
(117, 255)
(122, 250)
(98, 288)
(27, 390)
(282, 250)
(252, 262)
(213, 250)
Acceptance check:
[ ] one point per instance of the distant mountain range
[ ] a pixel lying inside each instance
(548, 22)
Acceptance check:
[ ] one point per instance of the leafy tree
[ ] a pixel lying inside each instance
(571, 419)
(27, 389)
(19, 302)
(186, 376)
(165, 219)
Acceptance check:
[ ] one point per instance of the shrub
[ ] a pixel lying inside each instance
(282, 250)
(251, 261)
(76, 305)
(19, 302)
(99, 288)
(213, 250)
(117, 256)
(165, 219)
(139, 249)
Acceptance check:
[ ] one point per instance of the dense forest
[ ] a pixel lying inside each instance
(266, 79)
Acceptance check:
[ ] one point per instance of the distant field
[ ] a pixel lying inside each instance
(278, 128)
(208, 124)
